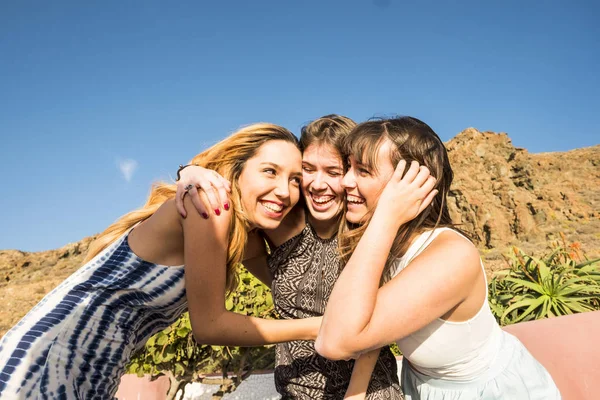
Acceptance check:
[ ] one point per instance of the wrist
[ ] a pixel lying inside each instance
(181, 168)
(386, 221)
(313, 328)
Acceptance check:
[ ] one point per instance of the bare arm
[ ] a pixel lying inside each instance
(433, 284)
(216, 191)
(361, 375)
(360, 316)
(205, 249)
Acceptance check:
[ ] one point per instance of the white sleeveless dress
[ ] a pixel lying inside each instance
(468, 360)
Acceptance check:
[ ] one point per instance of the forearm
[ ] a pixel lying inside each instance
(361, 375)
(353, 299)
(231, 329)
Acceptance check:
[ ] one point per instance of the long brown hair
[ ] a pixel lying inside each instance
(412, 140)
(228, 158)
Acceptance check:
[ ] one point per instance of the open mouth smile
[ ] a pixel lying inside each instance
(322, 200)
(272, 208)
(354, 200)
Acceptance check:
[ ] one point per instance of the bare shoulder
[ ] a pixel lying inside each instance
(454, 251)
(457, 243)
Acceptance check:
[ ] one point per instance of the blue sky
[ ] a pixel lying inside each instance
(99, 99)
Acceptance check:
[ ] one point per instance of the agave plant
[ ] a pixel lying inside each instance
(535, 288)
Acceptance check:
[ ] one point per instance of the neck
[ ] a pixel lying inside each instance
(324, 229)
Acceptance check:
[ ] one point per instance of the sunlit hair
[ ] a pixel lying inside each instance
(228, 158)
(330, 130)
(412, 140)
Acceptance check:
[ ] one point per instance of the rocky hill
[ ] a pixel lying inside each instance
(506, 196)
(502, 196)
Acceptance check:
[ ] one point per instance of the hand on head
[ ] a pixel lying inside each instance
(408, 193)
(216, 188)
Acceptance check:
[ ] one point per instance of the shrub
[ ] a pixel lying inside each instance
(561, 283)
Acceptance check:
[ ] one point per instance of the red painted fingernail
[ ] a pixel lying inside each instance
(217, 211)
(205, 215)
(226, 206)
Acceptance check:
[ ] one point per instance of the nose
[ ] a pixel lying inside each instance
(282, 189)
(349, 181)
(319, 182)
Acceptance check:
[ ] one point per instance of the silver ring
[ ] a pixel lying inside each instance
(188, 187)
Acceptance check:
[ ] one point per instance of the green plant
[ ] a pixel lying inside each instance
(174, 352)
(395, 350)
(561, 283)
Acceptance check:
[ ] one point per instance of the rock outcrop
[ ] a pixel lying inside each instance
(505, 196)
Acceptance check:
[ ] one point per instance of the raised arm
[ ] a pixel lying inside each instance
(360, 316)
(205, 249)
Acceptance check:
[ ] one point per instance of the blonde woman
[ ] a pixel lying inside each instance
(434, 302)
(76, 342)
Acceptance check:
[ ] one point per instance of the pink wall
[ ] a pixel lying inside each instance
(569, 348)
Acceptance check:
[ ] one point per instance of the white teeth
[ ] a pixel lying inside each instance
(272, 206)
(322, 199)
(355, 200)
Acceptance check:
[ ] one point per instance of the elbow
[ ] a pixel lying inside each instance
(332, 350)
(203, 335)
(205, 329)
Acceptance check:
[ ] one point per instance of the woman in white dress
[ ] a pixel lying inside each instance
(433, 301)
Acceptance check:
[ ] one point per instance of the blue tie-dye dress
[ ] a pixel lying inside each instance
(76, 342)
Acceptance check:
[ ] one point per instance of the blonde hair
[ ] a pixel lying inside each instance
(228, 158)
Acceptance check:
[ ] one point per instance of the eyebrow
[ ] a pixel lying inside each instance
(326, 167)
(278, 168)
(272, 164)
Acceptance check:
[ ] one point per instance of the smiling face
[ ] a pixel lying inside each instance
(270, 183)
(364, 184)
(322, 173)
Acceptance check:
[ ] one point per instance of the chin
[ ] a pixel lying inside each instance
(354, 218)
(323, 216)
(267, 224)
(327, 215)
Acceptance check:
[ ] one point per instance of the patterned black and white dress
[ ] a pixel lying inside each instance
(304, 270)
(76, 342)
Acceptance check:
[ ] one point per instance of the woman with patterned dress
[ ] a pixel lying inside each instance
(148, 268)
(433, 302)
(303, 266)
